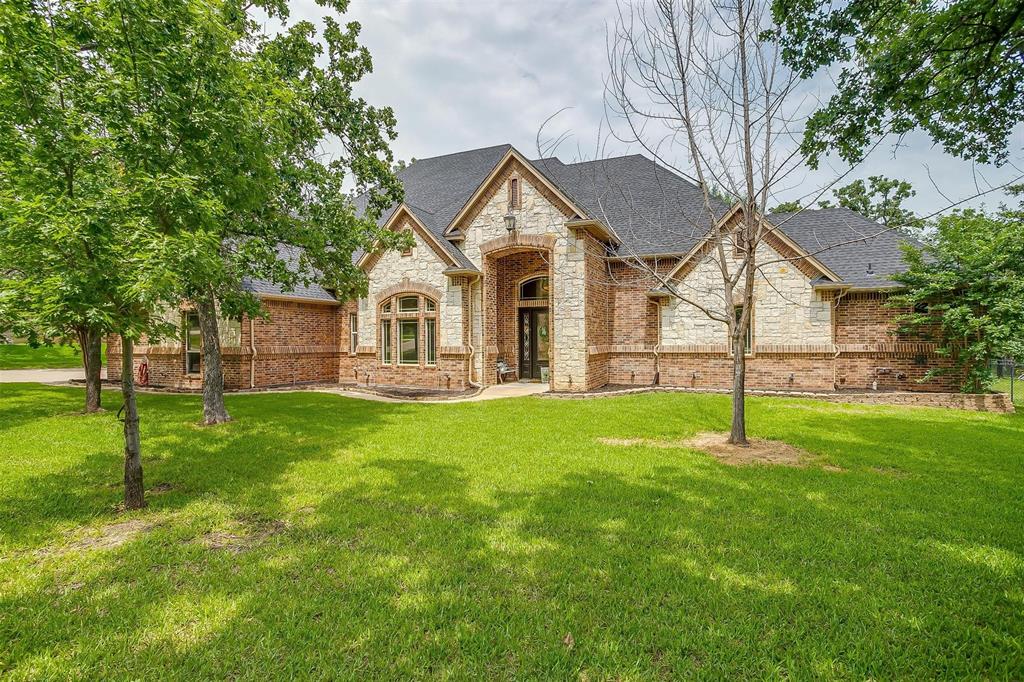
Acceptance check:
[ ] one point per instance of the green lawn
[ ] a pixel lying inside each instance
(21, 356)
(1003, 386)
(319, 536)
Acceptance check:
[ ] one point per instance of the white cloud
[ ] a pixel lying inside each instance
(462, 74)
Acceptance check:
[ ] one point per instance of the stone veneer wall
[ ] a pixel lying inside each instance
(787, 310)
(538, 215)
(866, 349)
(423, 266)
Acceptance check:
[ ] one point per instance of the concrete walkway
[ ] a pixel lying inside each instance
(510, 390)
(44, 376)
(63, 376)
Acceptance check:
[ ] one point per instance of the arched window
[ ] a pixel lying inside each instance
(408, 330)
(535, 289)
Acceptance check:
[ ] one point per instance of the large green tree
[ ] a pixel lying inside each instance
(235, 121)
(880, 199)
(966, 289)
(76, 251)
(953, 69)
(56, 174)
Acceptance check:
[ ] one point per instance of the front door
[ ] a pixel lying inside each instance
(533, 342)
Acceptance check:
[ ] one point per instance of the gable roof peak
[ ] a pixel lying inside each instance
(477, 150)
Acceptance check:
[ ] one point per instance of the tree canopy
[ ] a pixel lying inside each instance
(953, 69)
(881, 200)
(966, 289)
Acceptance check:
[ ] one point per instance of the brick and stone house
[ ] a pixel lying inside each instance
(534, 267)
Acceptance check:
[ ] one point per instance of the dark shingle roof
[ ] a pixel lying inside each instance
(847, 243)
(651, 209)
(437, 188)
(290, 256)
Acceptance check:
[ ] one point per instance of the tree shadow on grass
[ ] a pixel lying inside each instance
(659, 563)
(240, 463)
(411, 573)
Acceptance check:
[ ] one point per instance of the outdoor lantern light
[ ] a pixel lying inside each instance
(510, 221)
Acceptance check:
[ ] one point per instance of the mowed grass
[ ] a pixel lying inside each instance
(1003, 386)
(323, 537)
(23, 356)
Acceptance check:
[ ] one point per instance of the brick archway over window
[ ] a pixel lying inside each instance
(406, 286)
(518, 241)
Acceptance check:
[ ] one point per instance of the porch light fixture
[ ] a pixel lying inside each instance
(510, 220)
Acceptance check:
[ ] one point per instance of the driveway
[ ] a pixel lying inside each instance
(44, 376)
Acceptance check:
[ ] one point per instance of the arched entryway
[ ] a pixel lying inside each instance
(518, 321)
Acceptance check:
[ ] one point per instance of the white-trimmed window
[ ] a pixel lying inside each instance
(353, 332)
(430, 332)
(409, 342)
(385, 342)
(193, 343)
(412, 320)
(748, 339)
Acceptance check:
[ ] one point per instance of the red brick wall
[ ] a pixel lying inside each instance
(862, 318)
(599, 310)
(869, 351)
(298, 343)
(306, 342)
(634, 316)
(503, 273)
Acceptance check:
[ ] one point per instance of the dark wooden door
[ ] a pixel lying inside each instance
(534, 334)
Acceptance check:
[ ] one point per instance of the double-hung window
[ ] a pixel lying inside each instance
(353, 332)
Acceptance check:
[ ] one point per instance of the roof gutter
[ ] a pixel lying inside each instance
(298, 299)
(847, 288)
(595, 228)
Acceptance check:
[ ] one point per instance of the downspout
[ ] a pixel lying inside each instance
(472, 349)
(657, 348)
(252, 353)
(835, 346)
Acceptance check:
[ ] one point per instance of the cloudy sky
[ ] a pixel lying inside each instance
(463, 74)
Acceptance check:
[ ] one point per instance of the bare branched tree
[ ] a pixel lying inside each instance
(701, 80)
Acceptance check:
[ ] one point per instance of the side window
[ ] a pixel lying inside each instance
(193, 343)
(385, 342)
(353, 332)
(748, 340)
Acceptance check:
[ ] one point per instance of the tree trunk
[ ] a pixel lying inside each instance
(738, 433)
(134, 494)
(90, 341)
(214, 411)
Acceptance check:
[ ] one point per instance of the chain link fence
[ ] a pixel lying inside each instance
(1009, 376)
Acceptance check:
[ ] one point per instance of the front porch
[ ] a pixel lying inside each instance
(518, 316)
